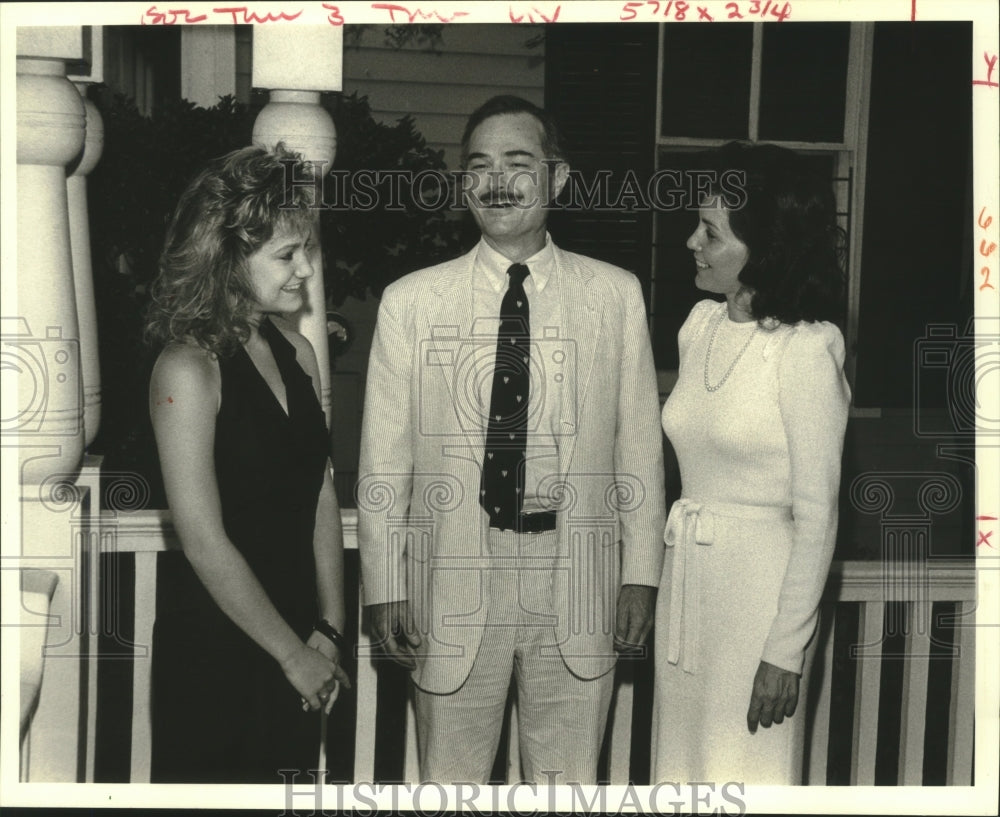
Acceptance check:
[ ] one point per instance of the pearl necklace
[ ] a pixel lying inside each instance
(708, 354)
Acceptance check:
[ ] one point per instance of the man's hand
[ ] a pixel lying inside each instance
(774, 696)
(394, 631)
(634, 618)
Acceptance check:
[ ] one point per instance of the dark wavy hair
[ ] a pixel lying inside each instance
(507, 103)
(233, 207)
(788, 220)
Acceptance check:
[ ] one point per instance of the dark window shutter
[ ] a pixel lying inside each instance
(600, 84)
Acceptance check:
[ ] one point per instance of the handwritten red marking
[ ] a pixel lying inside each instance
(759, 8)
(704, 15)
(783, 14)
(991, 518)
(984, 539)
(913, 11)
(985, 249)
(253, 17)
(629, 8)
(411, 16)
(544, 18)
(334, 18)
(991, 63)
(159, 18)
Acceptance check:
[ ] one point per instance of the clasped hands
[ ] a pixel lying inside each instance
(315, 672)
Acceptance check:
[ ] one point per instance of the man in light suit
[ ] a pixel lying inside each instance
(511, 500)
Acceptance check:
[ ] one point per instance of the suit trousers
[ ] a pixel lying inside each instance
(560, 717)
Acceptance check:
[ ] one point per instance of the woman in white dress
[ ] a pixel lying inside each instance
(757, 421)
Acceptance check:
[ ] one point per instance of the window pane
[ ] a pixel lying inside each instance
(804, 81)
(706, 80)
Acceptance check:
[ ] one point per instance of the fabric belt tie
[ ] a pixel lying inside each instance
(692, 523)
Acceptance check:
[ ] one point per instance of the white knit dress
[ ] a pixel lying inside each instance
(749, 544)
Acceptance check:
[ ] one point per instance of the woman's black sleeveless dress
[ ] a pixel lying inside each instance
(222, 709)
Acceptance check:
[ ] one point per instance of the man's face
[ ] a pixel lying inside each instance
(513, 182)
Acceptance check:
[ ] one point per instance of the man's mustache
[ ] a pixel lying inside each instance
(502, 198)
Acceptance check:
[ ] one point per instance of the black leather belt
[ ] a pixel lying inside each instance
(534, 522)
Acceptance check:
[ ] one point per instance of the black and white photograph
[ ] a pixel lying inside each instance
(501, 407)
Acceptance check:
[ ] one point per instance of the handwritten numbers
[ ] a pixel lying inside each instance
(781, 15)
(334, 18)
(760, 8)
(985, 250)
(677, 9)
(630, 10)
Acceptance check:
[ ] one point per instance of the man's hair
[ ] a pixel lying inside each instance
(203, 291)
(789, 224)
(508, 104)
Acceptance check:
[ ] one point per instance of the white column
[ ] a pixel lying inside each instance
(83, 274)
(50, 134)
(208, 63)
(297, 63)
(46, 340)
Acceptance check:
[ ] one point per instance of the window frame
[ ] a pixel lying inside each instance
(850, 161)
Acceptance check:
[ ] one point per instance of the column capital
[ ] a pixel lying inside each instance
(297, 119)
(50, 114)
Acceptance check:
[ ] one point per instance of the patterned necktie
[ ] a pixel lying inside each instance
(501, 492)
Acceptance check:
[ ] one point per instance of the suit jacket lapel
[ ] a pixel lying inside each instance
(581, 311)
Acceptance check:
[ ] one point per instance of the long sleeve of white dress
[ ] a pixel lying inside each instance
(813, 397)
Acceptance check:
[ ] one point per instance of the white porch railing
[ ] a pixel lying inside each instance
(871, 585)
(147, 533)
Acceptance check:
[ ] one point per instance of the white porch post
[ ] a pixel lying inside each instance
(79, 232)
(50, 135)
(45, 334)
(296, 63)
(208, 63)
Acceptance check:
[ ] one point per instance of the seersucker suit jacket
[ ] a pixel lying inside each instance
(422, 534)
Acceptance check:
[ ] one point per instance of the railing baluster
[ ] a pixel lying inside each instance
(366, 685)
(963, 696)
(866, 696)
(411, 767)
(145, 615)
(819, 739)
(915, 674)
(147, 533)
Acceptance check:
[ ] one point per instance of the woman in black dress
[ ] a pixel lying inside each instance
(247, 640)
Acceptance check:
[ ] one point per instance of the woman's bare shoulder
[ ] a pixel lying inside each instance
(187, 367)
